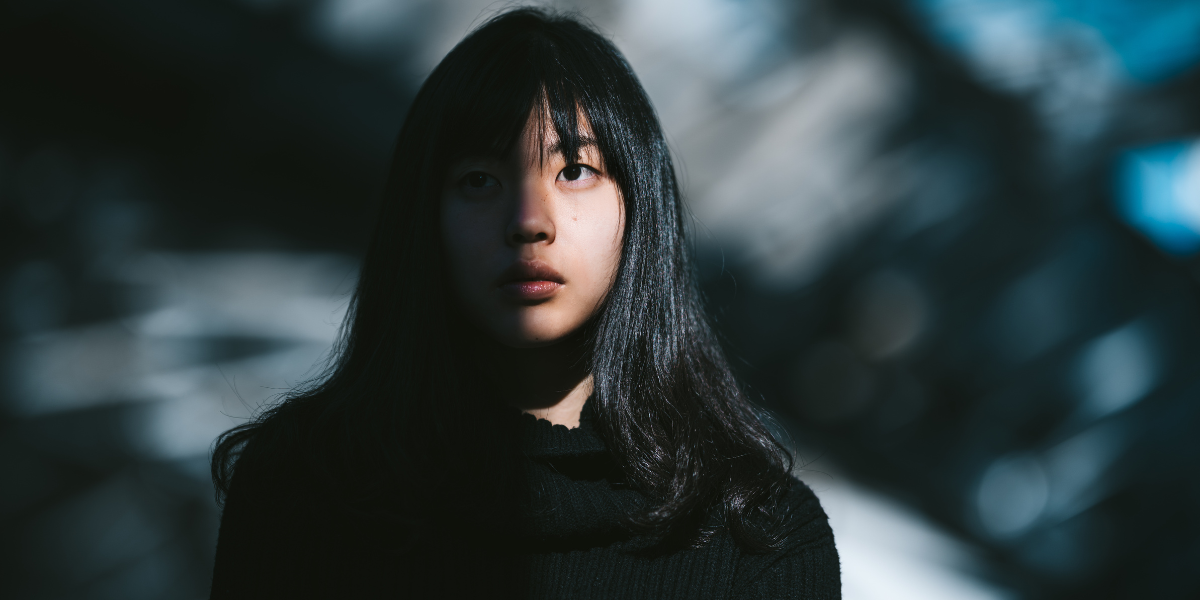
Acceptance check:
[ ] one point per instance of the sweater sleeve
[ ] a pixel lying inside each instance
(807, 568)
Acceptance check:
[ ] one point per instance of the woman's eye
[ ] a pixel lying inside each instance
(479, 179)
(575, 173)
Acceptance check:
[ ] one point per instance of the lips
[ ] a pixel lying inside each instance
(529, 280)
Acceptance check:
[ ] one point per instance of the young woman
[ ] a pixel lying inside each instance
(527, 400)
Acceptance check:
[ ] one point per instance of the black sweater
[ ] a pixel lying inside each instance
(280, 538)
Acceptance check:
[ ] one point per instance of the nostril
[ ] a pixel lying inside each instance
(520, 238)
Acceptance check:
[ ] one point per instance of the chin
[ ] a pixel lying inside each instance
(530, 339)
(532, 333)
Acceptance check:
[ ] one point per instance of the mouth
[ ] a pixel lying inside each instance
(529, 281)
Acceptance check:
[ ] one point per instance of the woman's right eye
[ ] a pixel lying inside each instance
(478, 180)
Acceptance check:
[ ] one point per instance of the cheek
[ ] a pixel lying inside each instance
(602, 230)
(452, 239)
(462, 243)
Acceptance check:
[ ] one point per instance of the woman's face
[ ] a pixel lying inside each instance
(533, 241)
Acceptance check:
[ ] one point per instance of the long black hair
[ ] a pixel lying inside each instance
(399, 402)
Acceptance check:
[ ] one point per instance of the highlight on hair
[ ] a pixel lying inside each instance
(398, 410)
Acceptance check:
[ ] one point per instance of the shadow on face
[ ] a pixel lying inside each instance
(532, 239)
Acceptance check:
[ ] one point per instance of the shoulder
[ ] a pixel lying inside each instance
(803, 519)
(274, 460)
(806, 565)
(277, 525)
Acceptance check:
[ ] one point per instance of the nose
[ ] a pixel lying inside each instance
(532, 221)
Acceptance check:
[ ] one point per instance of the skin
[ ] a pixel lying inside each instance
(537, 207)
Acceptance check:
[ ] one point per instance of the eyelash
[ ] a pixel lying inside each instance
(583, 168)
(465, 181)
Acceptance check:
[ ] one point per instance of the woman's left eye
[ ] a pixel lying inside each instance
(576, 173)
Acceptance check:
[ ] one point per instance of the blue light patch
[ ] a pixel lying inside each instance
(1152, 40)
(1158, 193)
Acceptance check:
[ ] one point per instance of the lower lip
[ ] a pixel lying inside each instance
(530, 290)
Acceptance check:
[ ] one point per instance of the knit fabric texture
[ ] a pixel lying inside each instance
(283, 540)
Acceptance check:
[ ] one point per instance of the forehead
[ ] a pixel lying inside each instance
(538, 143)
(540, 137)
(546, 125)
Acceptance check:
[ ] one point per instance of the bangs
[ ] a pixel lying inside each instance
(528, 78)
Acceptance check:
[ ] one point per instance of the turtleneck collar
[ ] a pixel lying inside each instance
(575, 490)
(541, 439)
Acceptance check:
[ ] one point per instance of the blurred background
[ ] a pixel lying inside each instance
(952, 246)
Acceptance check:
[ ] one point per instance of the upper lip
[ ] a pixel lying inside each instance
(529, 270)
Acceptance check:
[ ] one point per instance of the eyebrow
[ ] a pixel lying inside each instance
(584, 142)
(551, 150)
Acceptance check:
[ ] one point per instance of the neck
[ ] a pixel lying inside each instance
(549, 382)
